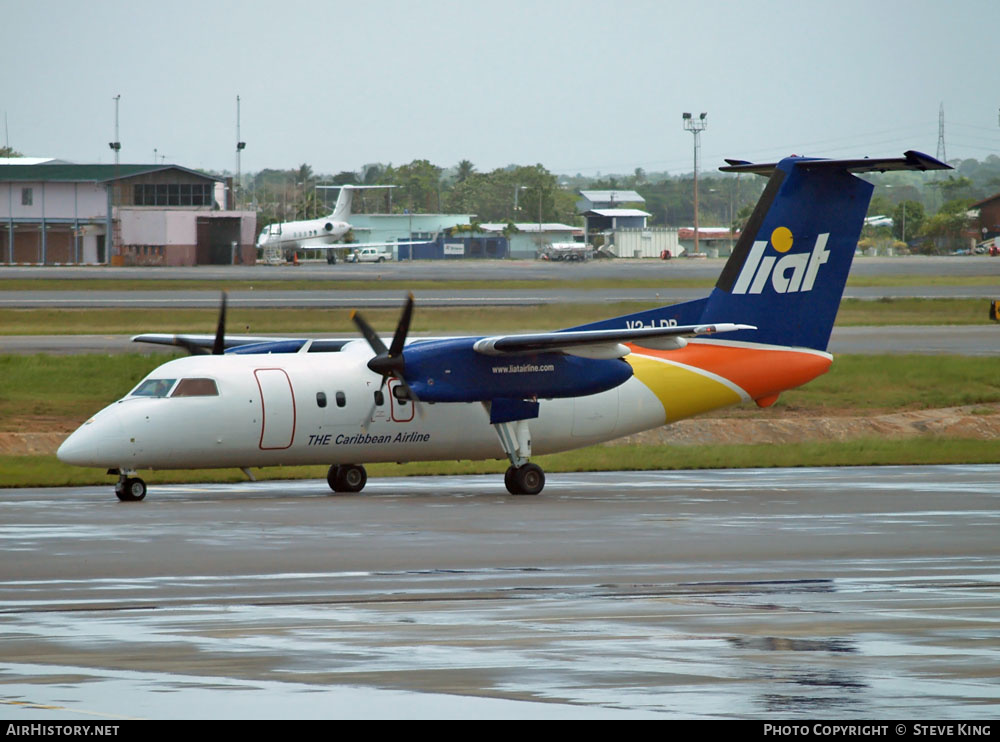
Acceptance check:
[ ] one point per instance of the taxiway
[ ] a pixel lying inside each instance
(800, 593)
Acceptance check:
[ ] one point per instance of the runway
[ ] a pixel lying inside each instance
(397, 275)
(794, 594)
(931, 266)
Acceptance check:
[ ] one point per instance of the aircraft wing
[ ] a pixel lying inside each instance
(352, 245)
(600, 343)
(245, 343)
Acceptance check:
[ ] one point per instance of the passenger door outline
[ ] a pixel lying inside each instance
(276, 425)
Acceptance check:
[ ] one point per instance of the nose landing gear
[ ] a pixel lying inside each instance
(129, 489)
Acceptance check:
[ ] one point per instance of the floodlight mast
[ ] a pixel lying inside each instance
(696, 127)
(240, 146)
(116, 145)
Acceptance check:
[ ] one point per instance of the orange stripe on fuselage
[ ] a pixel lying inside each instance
(760, 372)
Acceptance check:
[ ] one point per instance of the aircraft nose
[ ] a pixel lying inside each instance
(95, 443)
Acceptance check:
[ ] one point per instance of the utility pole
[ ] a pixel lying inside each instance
(940, 148)
(696, 127)
(116, 145)
(240, 146)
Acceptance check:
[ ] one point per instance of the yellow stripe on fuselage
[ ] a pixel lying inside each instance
(682, 391)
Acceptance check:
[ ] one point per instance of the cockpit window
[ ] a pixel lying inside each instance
(153, 388)
(196, 388)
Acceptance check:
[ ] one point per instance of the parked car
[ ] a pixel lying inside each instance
(368, 255)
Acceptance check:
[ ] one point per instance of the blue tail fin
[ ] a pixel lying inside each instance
(787, 273)
(788, 270)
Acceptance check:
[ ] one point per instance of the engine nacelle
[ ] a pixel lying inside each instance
(451, 371)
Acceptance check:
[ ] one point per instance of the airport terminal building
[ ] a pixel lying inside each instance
(54, 213)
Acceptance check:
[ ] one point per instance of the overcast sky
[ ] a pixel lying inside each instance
(581, 86)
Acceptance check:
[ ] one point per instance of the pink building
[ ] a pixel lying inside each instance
(120, 214)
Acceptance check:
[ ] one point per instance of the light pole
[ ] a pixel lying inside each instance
(240, 146)
(517, 190)
(696, 127)
(116, 145)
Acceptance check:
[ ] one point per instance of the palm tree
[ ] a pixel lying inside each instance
(465, 169)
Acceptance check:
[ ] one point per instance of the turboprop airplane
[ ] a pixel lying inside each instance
(325, 233)
(255, 402)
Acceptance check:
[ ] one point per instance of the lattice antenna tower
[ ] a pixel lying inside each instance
(940, 149)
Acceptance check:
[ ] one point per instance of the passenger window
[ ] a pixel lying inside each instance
(321, 399)
(196, 388)
(341, 399)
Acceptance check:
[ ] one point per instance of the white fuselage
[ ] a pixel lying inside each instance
(316, 408)
(307, 233)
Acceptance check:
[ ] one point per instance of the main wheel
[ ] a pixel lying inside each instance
(331, 476)
(347, 478)
(132, 489)
(508, 480)
(525, 480)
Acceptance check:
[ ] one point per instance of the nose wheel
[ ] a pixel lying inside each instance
(130, 489)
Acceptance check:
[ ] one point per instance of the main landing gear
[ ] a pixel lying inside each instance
(347, 477)
(527, 479)
(522, 478)
(129, 489)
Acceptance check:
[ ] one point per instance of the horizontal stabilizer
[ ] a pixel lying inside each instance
(911, 160)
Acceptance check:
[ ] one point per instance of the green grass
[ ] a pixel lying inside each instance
(62, 391)
(448, 320)
(347, 282)
(47, 471)
(892, 311)
(896, 382)
(38, 388)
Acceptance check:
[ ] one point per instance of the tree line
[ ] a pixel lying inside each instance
(929, 213)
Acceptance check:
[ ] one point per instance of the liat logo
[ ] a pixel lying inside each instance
(788, 272)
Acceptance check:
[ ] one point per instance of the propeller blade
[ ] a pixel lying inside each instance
(219, 347)
(402, 329)
(369, 334)
(368, 418)
(389, 362)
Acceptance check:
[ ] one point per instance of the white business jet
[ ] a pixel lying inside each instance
(326, 233)
(254, 402)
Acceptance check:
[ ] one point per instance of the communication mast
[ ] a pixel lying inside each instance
(940, 149)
